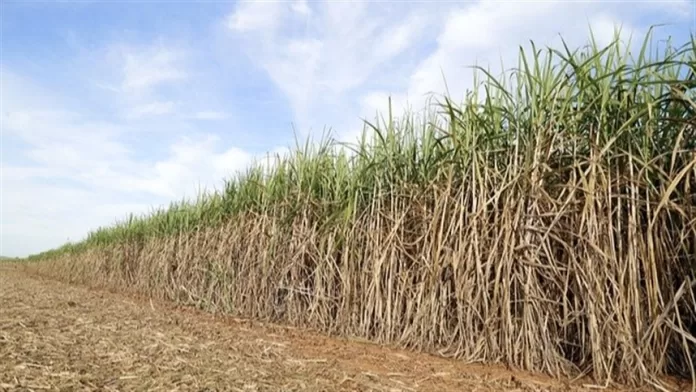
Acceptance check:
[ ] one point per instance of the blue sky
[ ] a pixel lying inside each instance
(115, 107)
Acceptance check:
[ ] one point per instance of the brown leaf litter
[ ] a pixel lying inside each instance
(58, 337)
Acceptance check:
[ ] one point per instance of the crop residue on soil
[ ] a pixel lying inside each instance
(55, 336)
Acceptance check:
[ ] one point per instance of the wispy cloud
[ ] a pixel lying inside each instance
(301, 7)
(321, 55)
(256, 16)
(353, 56)
(210, 115)
(69, 163)
(152, 109)
(145, 68)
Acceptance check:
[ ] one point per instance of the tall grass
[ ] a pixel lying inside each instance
(547, 222)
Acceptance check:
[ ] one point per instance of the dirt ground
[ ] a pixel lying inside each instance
(54, 336)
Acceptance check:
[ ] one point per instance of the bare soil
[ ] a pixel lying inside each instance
(54, 336)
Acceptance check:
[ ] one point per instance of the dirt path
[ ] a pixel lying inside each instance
(55, 336)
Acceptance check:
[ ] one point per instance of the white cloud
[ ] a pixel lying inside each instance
(488, 33)
(152, 109)
(148, 67)
(343, 60)
(138, 78)
(38, 215)
(210, 115)
(319, 57)
(398, 37)
(301, 7)
(255, 16)
(75, 174)
(194, 163)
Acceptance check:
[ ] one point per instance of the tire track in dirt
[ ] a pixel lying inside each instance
(54, 336)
